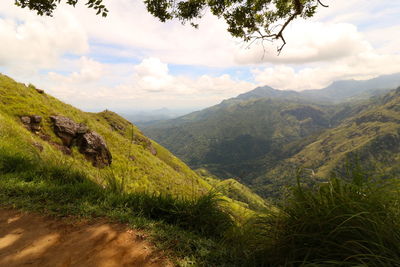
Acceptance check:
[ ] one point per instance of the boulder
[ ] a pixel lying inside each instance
(32, 123)
(90, 143)
(67, 129)
(93, 146)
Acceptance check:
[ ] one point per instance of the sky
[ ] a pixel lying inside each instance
(131, 61)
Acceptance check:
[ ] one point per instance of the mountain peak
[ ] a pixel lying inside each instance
(266, 91)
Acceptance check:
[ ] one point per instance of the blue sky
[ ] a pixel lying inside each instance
(131, 61)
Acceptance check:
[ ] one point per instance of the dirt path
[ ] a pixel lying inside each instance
(28, 239)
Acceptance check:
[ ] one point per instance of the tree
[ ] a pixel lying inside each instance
(247, 19)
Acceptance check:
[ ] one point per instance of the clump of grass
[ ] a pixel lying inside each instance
(338, 223)
(202, 214)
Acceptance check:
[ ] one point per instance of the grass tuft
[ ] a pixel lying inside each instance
(338, 223)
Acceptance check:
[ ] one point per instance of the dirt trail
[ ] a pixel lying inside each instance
(28, 239)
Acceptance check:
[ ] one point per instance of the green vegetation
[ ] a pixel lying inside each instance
(370, 136)
(188, 227)
(147, 189)
(132, 158)
(350, 220)
(241, 138)
(334, 224)
(262, 137)
(239, 193)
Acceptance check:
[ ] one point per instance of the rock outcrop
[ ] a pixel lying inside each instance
(93, 146)
(67, 129)
(90, 143)
(32, 123)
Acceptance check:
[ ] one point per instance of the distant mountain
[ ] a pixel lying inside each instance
(149, 117)
(251, 136)
(229, 139)
(267, 91)
(338, 91)
(349, 89)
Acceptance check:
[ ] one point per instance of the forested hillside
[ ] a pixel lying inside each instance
(263, 136)
(368, 140)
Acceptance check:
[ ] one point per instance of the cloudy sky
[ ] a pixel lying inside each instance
(131, 61)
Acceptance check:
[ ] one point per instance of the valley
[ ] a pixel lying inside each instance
(264, 136)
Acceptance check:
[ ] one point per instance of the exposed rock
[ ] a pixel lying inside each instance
(132, 158)
(40, 91)
(45, 137)
(93, 146)
(67, 129)
(32, 123)
(90, 143)
(26, 120)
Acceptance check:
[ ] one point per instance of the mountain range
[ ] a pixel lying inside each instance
(261, 137)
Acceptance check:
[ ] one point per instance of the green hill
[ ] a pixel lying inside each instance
(262, 137)
(132, 153)
(138, 163)
(240, 138)
(369, 139)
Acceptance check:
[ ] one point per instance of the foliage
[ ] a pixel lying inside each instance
(188, 227)
(47, 7)
(242, 138)
(246, 19)
(334, 224)
(240, 193)
(261, 138)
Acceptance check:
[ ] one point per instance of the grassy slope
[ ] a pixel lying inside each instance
(161, 173)
(128, 191)
(339, 224)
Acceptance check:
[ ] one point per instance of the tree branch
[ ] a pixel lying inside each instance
(319, 1)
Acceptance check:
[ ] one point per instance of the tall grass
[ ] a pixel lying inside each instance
(338, 223)
(203, 215)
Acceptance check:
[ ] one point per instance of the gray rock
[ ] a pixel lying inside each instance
(26, 119)
(90, 143)
(93, 146)
(67, 129)
(32, 123)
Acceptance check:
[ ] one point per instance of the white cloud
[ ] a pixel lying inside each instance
(309, 42)
(351, 39)
(148, 84)
(30, 43)
(362, 66)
